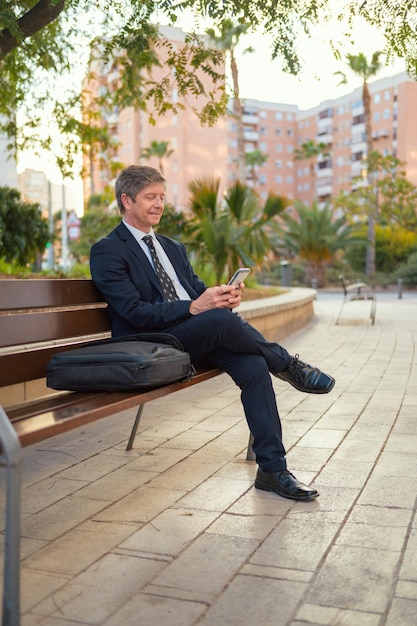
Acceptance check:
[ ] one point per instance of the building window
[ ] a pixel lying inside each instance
(263, 146)
(262, 130)
(278, 179)
(385, 114)
(290, 148)
(290, 132)
(278, 132)
(279, 147)
(387, 95)
(262, 114)
(289, 180)
(290, 117)
(278, 164)
(278, 115)
(290, 164)
(262, 179)
(377, 116)
(377, 98)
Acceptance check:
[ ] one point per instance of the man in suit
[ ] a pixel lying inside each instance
(150, 285)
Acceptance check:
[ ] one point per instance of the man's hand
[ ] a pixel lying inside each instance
(222, 297)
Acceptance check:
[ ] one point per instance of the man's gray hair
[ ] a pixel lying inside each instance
(133, 179)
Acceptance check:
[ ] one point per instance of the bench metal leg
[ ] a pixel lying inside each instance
(250, 455)
(373, 311)
(11, 457)
(340, 312)
(135, 427)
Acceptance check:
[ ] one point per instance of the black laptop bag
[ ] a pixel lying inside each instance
(124, 364)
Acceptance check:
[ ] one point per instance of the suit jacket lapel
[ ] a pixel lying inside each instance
(133, 245)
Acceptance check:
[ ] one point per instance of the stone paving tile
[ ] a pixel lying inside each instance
(170, 532)
(389, 491)
(47, 492)
(94, 595)
(355, 578)
(60, 517)
(328, 616)
(139, 506)
(79, 548)
(402, 613)
(207, 565)
(294, 544)
(215, 494)
(255, 600)
(149, 609)
(339, 473)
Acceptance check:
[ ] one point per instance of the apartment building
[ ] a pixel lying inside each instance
(197, 151)
(274, 129)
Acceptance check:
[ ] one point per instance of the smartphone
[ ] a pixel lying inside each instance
(239, 276)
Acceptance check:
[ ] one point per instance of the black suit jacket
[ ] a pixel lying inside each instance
(125, 277)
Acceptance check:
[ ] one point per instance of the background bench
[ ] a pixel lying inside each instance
(357, 291)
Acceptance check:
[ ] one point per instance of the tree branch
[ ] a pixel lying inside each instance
(42, 14)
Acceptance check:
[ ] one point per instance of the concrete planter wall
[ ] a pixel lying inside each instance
(279, 316)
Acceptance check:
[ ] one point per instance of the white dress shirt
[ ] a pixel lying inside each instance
(163, 257)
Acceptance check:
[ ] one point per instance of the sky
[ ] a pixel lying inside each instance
(262, 79)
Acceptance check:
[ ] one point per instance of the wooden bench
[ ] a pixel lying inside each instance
(357, 291)
(38, 318)
(41, 317)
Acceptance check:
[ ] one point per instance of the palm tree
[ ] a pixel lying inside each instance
(360, 66)
(157, 149)
(254, 159)
(309, 151)
(315, 236)
(227, 40)
(233, 231)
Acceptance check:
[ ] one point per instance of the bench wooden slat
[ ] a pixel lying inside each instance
(58, 414)
(24, 328)
(18, 293)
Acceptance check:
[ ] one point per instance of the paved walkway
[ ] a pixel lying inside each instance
(173, 533)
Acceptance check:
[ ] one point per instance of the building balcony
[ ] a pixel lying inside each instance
(251, 135)
(325, 172)
(112, 119)
(325, 137)
(324, 190)
(253, 120)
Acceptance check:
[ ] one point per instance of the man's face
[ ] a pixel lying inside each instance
(146, 209)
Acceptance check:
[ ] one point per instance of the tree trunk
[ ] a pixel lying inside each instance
(42, 14)
(238, 111)
(370, 246)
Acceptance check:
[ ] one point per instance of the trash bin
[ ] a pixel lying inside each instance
(286, 273)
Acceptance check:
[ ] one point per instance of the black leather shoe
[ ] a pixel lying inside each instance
(284, 484)
(306, 378)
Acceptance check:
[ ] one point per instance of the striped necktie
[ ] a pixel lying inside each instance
(166, 283)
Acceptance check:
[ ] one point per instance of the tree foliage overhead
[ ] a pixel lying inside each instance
(43, 44)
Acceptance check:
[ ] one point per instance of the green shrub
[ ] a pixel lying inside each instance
(408, 271)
